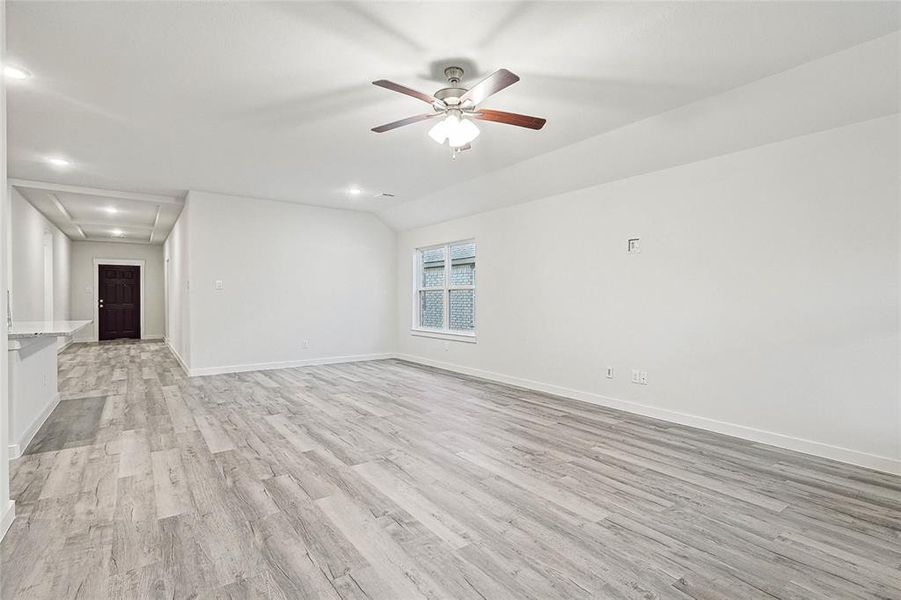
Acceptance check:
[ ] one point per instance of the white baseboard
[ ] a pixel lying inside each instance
(68, 343)
(846, 455)
(16, 449)
(6, 519)
(178, 357)
(328, 360)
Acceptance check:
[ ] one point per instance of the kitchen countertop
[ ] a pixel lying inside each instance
(29, 329)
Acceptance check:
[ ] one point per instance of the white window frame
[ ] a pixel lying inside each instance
(444, 333)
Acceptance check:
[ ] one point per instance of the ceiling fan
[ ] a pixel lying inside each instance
(458, 106)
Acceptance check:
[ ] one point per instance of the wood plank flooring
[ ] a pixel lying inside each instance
(389, 480)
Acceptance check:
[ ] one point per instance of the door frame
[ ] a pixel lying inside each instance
(123, 262)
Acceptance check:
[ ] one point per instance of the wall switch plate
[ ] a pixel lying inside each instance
(218, 284)
(305, 344)
(609, 372)
(635, 376)
(643, 377)
(634, 246)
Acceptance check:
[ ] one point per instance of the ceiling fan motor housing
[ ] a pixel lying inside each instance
(454, 75)
(451, 94)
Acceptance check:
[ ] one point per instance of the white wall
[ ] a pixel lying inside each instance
(62, 275)
(7, 506)
(177, 262)
(290, 274)
(764, 302)
(29, 231)
(83, 293)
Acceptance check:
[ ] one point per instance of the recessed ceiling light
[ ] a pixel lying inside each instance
(58, 162)
(12, 72)
(111, 210)
(354, 190)
(118, 233)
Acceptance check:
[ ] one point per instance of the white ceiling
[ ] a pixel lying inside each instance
(273, 100)
(87, 214)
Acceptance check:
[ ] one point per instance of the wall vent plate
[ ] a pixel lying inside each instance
(634, 246)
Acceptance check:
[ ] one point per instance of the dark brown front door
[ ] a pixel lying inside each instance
(120, 302)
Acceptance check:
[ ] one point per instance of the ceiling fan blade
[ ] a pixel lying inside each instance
(500, 116)
(396, 87)
(402, 122)
(492, 84)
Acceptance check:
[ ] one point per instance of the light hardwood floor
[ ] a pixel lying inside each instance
(388, 480)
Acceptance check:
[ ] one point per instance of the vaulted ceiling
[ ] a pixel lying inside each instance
(274, 100)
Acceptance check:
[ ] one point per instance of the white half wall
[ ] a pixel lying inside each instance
(764, 302)
(83, 282)
(299, 284)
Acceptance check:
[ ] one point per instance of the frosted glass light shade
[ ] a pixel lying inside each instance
(439, 132)
(462, 134)
(455, 130)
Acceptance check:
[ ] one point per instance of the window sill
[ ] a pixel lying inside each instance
(469, 338)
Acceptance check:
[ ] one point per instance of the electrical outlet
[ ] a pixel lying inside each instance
(218, 284)
(635, 376)
(609, 372)
(305, 344)
(643, 377)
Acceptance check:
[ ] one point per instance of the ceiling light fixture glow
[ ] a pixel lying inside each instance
(12, 72)
(111, 210)
(118, 233)
(58, 162)
(354, 191)
(455, 130)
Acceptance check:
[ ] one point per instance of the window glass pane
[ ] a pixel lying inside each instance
(463, 264)
(463, 274)
(431, 309)
(462, 310)
(432, 268)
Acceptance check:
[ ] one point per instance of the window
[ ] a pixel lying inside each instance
(446, 289)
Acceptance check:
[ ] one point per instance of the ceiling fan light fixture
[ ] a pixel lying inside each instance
(463, 133)
(439, 132)
(455, 130)
(457, 107)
